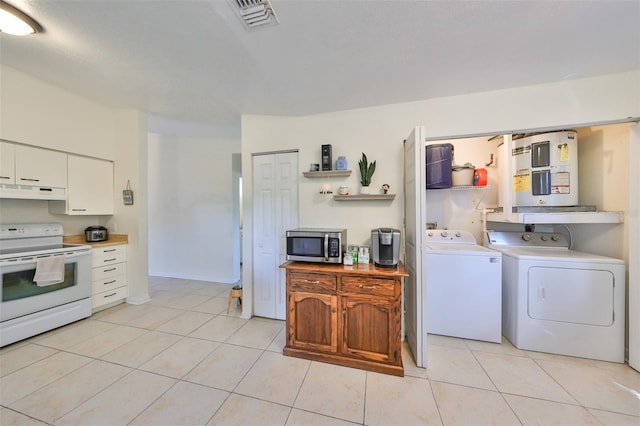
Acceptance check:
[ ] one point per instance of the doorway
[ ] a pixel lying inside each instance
(236, 191)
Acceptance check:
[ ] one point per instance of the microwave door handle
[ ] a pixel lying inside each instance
(326, 247)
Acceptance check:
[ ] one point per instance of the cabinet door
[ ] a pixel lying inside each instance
(371, 328)
(90, 189)
(7, 163)
(40, 167)
(313, 321)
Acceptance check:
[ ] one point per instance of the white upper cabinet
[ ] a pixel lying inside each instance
(7, 163)
(40, 167)
(90, 188)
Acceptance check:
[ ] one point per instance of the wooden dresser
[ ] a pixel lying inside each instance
(346, 315)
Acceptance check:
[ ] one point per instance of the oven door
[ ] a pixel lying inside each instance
(21, 296)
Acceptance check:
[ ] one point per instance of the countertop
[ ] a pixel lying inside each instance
(114, 239)
(359, 269)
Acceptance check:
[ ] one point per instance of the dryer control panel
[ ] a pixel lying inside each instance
(527, 239)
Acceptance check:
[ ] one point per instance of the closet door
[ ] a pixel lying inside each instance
(633, 227)
(414, 196)
(275, 210)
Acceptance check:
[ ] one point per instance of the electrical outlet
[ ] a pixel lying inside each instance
(114, 227)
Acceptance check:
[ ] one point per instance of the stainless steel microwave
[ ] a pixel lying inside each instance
(316, 245)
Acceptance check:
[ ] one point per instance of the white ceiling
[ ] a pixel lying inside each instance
(193, 61)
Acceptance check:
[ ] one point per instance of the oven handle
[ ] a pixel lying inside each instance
(33, 259)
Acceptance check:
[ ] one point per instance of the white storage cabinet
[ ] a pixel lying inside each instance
(7, 163)
(40, 167)
(109, 275)
(90, 188)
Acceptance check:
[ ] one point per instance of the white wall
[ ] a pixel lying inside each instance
(37, 113)
(462, 209)
(191, 225)
(603, 156)
(379, 132)
(131, 165)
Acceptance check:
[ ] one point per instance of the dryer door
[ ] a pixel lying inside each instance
(581, 296)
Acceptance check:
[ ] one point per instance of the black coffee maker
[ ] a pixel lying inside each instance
(385, 246)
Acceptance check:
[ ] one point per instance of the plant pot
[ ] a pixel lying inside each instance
(364, 190)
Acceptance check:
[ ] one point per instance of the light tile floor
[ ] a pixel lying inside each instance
(181, 360)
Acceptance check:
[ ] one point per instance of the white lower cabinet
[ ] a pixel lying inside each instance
(109, 275)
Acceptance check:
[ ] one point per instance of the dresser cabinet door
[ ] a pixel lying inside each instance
(313, 321)
(370, 328)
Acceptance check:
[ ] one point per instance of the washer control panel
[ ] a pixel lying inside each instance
(527, 239)
(453, 236)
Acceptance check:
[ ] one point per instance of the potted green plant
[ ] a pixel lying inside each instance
(366, 171)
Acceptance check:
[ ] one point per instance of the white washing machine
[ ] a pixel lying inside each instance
(462, 282)
(558, 300)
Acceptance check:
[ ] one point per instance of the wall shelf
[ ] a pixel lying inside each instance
(560, 217)
(364, 197)
(469, 187)
(327, 173)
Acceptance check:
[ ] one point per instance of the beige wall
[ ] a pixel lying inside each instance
(380, 131)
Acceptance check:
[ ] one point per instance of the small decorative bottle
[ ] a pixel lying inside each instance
(341, 163)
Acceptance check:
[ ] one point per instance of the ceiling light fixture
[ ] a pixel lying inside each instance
(16, 22)
(255, 13)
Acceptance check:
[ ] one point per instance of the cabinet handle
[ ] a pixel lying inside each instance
(109, 295)
(78, 210)
(30, 180)
(108, 250)
(110, 282)
(109, 260)
(109, 270)
(312, 282)
(373, 287)
(5, 177)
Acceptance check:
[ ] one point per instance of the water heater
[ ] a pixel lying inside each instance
(545, 169)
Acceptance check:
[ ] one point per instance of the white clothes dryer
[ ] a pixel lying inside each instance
(558, 300)
(462, 282)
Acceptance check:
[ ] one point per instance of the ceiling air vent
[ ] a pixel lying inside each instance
(255, 13)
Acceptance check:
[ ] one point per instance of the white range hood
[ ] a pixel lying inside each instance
(28, 192)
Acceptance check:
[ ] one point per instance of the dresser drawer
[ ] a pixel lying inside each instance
(109, 255)
(319, 283)
(365, 285)
(109, 283)
(107, 271)
(109, 296)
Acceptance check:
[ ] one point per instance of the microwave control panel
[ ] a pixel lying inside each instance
(334, 247)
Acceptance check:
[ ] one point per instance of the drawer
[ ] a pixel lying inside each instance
(109, 283)
(107, 271)
(107, 297)
(109, 255)
(319, 283)
(367, 285)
